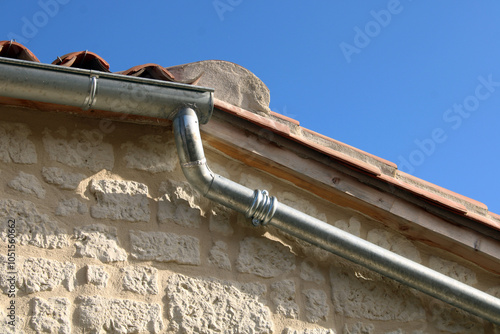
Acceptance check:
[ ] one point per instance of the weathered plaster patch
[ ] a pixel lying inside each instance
(97, 276)
(98, 314)
(283, 297)
(358, 296)
(32, 227)
(219, 220)
(51, 316)
(61, 178)
(28, 184)
(352, 226)
(180, 204)
(395, 243)
(206, 305)
(151, 153)
(15, 145)
(218, 256)
(70, 207)
(165, 247)
(140, 279)
(100, 242)
(453, 270)
(83, 148)
(309, 271)
(316, 305)
(120, 200)
(265, 258)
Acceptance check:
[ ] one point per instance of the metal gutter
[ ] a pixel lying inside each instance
(263, 209)
(186, 104)
(88, 89)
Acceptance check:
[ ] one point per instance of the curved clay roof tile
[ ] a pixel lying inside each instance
(11, 49)
(152, 71)
(83, 59)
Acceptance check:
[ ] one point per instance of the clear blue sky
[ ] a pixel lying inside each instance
(415, 82)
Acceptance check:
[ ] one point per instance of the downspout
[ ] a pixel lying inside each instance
(263, 209)
(185, 104)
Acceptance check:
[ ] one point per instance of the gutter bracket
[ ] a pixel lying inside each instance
(90, 100)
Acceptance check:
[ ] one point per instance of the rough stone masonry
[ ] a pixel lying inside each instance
(110, 238)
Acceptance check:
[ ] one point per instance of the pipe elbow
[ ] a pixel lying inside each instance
(199, 176)
(190, 150)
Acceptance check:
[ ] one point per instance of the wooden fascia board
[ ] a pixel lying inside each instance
(321, 176)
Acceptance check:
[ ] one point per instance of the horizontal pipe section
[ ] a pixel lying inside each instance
(386, 263)
(88, 89)
(319, 233)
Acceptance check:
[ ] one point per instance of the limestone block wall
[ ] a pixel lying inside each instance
(100, 233)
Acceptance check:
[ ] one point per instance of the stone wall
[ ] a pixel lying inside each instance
(110, 238)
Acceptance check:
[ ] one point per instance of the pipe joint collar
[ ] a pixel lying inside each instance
(262, 209)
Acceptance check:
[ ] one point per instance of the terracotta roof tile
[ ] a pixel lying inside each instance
(483, 220)
(341, 157)
(440, 190)
(254, 118)
(384, 161)
(83, 59)
(288, 119)
(11, 49)
(290, 128)
(152, 71)
(427, 191)
(285, 131)
(427, 195)
(416, 187)
(495, 216)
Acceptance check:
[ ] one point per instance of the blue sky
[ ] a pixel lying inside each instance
(415, 82)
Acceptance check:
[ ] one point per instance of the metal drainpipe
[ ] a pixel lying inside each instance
(152, 98)
(263, 209)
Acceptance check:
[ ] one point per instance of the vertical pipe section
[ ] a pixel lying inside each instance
(194, 165)
(262, 209)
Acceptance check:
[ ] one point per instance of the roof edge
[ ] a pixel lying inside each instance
(367, 163)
